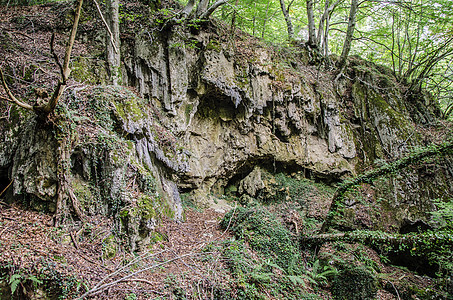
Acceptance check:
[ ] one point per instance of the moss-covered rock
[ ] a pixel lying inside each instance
(354, 283)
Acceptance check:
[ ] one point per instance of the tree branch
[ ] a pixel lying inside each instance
(112, 40)
(50, 106)
(55, 56)
(211, 9)
(11, 96)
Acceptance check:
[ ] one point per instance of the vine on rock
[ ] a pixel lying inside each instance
(419, 156)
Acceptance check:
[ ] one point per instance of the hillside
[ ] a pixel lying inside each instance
(210, 171)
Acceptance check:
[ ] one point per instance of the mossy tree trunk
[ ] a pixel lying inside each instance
(113, 41)
(369, 177)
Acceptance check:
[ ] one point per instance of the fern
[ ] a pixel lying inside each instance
(14, 281)
(34, 280)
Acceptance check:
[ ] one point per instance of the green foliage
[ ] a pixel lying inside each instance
(354, 283)
(265, 257)
(418, 156)
(319, 275)
(131, 296)
(443, 216)
(14, 281)
(265, 234)
(300, 190)
(128, 16)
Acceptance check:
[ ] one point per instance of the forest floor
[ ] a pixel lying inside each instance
(186, 262)
(32, 247)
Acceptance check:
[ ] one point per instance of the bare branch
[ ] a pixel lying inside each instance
(55, 56)
(112, 40)
(98, 288)
(50, 106)
(11, 96)
(213, 7)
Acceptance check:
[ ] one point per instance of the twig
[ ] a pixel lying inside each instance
(130, 263)
(74, 241)
(145, 281)
(4, 190)
(99, 288)
(397, 294)
(229, 222)
(112, 40)
(6, 228)
(5, 204)
(11, 96)
(55, 56)
(17, 32)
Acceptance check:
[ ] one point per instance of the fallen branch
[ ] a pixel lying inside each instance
(99, 288)
(145, 281)
(134, 261)
(20, 33)
(4, 190)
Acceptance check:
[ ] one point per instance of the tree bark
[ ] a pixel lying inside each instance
(202, 7)
(323, 30)
(188, 8)
(211, 9)
(349, 34)
(311, 24)
(289, 23)
(113, 41)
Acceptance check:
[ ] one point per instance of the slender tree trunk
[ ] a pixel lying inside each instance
(325, 43)
(321, 24)
(289, 23)
(188, 8)
(265, 19)
(349, 34)
(113, 41)
(323, 30)
(202, 7)
(311, 24)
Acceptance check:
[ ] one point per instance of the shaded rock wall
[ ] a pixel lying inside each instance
(211, 110)
(236, 105)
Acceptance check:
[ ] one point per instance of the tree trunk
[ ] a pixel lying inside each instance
(311, 24)
(323, 30)
(289, 23)
(349, 34)
(212, 8)
(113, 41)
(188, 9)
(202, 7)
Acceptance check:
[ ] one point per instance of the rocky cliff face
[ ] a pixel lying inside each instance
(237, 105)
(214, 116)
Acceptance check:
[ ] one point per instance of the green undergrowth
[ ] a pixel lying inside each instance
(42, 281)
(265, 260)
(295, 188)
(265, 234)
